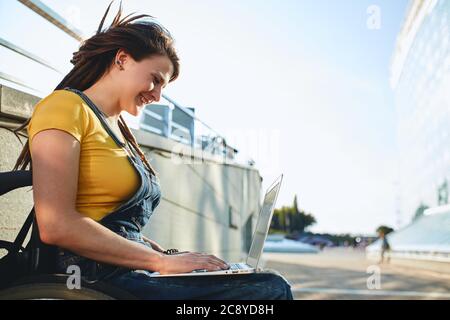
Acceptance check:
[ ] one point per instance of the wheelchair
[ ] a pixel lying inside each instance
(29, 272)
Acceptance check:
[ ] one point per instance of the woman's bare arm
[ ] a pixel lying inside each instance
(55, 155)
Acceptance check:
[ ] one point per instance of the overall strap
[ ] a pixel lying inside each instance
(100, 115)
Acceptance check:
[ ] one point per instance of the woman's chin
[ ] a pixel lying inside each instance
(139, 108)
(134, 111)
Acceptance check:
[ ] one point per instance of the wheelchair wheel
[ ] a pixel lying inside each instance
(54, 287)
(50, 291)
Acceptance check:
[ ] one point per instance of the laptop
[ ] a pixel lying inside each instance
(258, 240)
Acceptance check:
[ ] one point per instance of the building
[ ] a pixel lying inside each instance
(420, 78)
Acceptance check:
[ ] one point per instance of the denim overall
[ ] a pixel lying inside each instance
(129, 219)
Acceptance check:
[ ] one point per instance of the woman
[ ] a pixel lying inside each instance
(93, 188)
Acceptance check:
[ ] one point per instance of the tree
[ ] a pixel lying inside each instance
(295, 205)
(384, 230)
(275, 222)
(291, 219)
(308, 220)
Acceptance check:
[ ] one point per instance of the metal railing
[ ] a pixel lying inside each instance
(179, 123)
(27, 54)
(53, 17)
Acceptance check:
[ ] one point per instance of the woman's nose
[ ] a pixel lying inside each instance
(156, 94)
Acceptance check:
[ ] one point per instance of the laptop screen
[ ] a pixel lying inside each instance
(262, 226)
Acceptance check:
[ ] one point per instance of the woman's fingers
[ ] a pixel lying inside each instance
(216, 262)
(187, 262)
(220, 261)
(213, 267)
(209, 262)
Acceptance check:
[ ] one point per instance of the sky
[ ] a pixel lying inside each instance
(301, 87)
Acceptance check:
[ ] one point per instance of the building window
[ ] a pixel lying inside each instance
(233, 218)
(248, 233)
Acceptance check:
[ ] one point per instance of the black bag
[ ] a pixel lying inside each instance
(15, 263)
(35, 258)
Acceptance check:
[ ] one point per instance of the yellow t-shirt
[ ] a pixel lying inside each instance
(106, 177)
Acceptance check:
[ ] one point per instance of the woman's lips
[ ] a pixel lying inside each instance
(143, 99)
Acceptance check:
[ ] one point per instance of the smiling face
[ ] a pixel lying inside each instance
(141, 82)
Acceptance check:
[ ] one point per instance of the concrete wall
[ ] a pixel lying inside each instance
(15, 205)
(194, 213)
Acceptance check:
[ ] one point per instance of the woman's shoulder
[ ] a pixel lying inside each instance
(61, 98)
(62, 103)
(62, 109)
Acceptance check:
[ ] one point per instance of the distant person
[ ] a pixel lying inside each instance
(385, 247)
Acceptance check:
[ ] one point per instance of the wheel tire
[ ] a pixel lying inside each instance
(50, 291)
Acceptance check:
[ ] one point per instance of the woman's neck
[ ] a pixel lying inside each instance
(106, 98)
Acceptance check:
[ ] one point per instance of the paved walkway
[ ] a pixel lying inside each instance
(343, 273)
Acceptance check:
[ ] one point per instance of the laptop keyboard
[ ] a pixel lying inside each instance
(237, 266)
(233, 266)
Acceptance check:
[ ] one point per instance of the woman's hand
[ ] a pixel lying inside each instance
(188, 262)
(155, 246)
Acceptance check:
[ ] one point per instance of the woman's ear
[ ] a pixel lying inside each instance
(122, 58)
